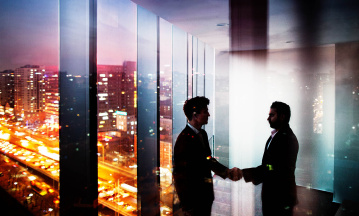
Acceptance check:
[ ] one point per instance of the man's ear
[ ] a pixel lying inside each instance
(282, 117)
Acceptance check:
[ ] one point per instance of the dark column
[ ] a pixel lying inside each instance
(78, 108)
(249, 24)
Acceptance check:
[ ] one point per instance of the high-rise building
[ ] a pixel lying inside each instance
(52, 98)
(129, 88)
(29, 94)
(116, 92)
(7, 88)
(108, 83)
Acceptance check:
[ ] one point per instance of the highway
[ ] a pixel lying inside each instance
(22, 146)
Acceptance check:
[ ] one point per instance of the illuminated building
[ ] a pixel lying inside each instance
(29, 90)
(128, 97)
(108, 103)
(125, 123)
(7, 88)
(116, 92)
(121, 121)
(52, 97)
(166, 154)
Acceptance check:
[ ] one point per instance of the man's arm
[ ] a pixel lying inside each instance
(254, 175)
(234, 174)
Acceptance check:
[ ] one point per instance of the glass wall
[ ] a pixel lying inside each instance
(123, 75)
(142, 67)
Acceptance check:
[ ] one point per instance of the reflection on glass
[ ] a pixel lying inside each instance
(180, 76)
(194, 70)
(166, 117)
(303, 78)
(209, 90)
(148, 158)
(179, 80)
(200, 73)
(346, 162)
(117, 107)
(29, 103)
(190, 67)
(310, 80)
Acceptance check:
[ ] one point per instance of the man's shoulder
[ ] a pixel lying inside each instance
(286, 131)
(186, 132)
(184, 139)
(288, 135)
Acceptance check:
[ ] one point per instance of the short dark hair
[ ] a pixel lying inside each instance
(195, 104)
(282, 109)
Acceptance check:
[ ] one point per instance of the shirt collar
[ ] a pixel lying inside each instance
(193, 128)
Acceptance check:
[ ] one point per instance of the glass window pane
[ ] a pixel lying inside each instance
(78, 107)
(179, 80)
(29, 103)
(194, 61)
(117, 106)
(209, 66)
(190, 68)
(165, 129)
(200, 68)
(346, 162)
(148, 106)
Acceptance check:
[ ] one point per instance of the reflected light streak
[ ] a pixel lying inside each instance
(43, 150)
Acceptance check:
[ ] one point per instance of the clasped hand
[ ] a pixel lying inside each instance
(235, 174)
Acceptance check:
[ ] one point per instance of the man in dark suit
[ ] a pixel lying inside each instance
(193, 162)
(276, 173)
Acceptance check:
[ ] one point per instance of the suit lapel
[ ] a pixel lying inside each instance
(197, 141)
(267, 143)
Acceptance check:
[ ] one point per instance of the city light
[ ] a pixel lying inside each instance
(32, 178)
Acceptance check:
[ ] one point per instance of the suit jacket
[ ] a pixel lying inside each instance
(277, 169)
(192, 169)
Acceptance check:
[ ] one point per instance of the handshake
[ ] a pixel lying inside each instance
(234, 174)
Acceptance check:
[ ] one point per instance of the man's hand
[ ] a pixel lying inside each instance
(234, 174)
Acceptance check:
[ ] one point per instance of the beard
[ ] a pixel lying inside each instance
(273, 125)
